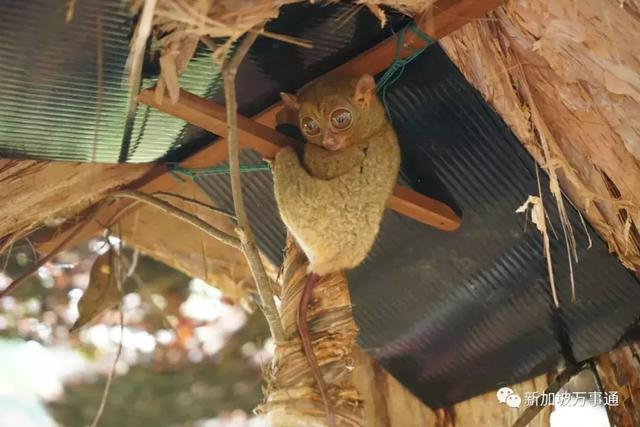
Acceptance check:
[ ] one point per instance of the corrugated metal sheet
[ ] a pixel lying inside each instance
(48, 85)
(258, 195)
(461, 313)
(452, 315)
(48, 79)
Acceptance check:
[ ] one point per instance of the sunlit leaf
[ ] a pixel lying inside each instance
(101, 294)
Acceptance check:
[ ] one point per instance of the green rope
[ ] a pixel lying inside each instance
(396, 69)
(192, 173)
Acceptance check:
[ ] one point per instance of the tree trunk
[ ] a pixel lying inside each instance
(619, 371)
(293, 397)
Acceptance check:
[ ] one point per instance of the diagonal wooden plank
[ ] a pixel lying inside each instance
(266, 141)
(444, 17)
(207, 115)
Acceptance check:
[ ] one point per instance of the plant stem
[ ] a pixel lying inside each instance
(180, 214)
(138, 197)
(245, 233)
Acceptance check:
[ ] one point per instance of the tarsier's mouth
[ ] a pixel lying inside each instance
(332, 145)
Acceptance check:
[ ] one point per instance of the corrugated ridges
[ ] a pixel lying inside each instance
(452, 315)
(48, 79)
(48, 85)
(261, 207)
(155, 132)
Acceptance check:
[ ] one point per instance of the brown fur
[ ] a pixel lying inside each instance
(325, 164)
(333, 207)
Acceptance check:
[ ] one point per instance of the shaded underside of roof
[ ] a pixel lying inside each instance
(51, 105)
(472, 310)
(451, 315)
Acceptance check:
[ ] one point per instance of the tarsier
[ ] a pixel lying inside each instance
(333, 201)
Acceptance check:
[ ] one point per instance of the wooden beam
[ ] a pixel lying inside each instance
(267, 142)
(210, 116)
(444, 17)
(423, 208)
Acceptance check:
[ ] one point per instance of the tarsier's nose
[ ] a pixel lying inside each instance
(330, 142)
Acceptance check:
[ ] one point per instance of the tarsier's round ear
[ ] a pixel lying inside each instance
(365, 89)
(290, 101)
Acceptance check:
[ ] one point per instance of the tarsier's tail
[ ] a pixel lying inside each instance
(303, 331)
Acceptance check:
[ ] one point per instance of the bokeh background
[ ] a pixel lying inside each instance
(188, 357)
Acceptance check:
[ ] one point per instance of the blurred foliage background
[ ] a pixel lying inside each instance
(188, 357)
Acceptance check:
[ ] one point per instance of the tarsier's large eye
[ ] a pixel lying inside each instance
(310, 126)
(341, 118)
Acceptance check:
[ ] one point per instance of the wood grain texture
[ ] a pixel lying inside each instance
(388, 403)
(292, 397)
(619, 371)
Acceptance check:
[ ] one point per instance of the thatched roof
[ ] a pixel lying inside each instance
(41, 193)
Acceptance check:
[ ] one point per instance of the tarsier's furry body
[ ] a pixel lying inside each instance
(333, 204)
(333, 201)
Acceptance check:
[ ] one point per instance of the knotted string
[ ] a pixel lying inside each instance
(396, 69)
(180, 172)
